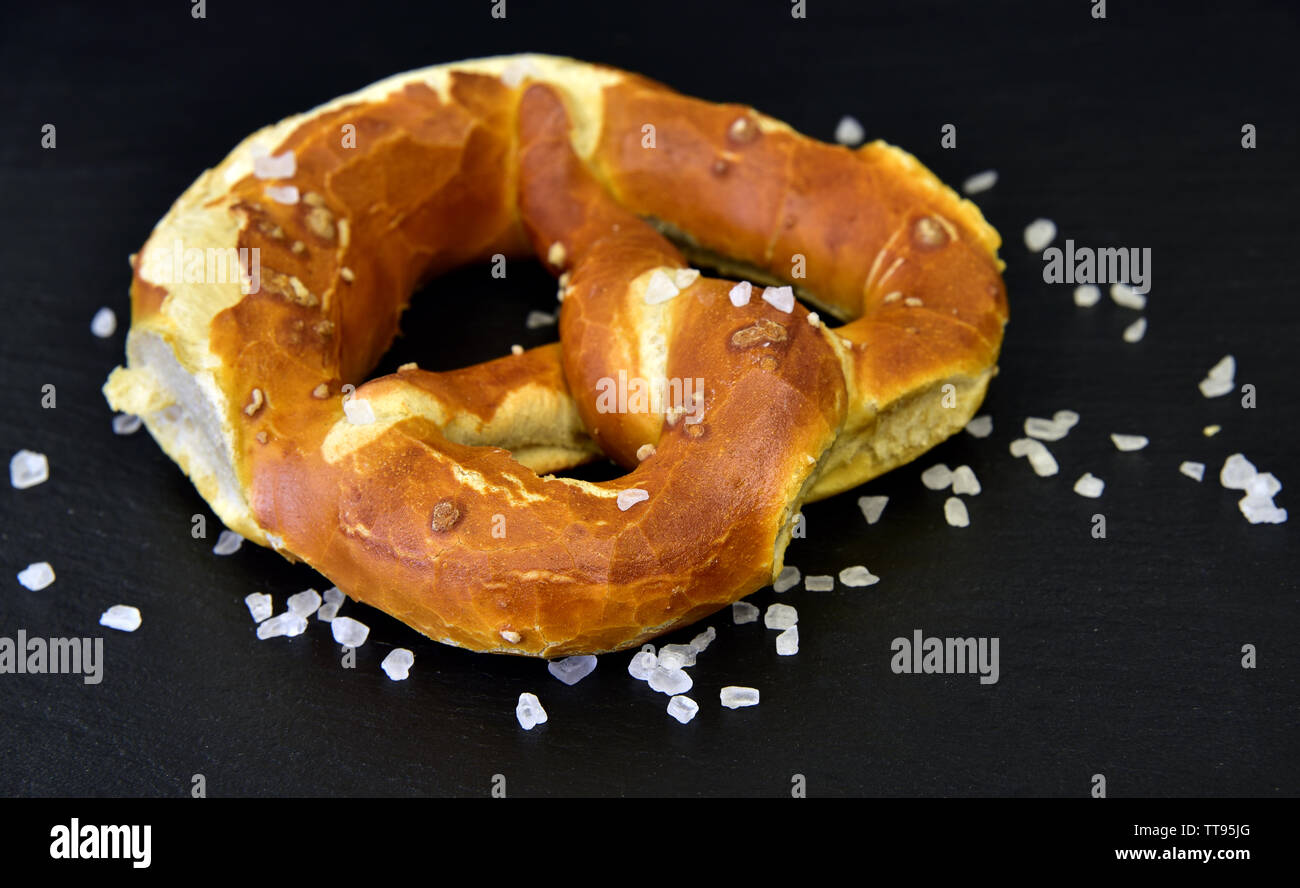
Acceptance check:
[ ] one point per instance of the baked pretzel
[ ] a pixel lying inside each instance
(435, 511)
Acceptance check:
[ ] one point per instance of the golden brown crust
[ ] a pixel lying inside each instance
(424, 512)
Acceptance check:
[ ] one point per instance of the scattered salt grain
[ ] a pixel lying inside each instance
(734, 697)
(397, 665)
(1039, 235)
(274, 166)
(1135, 331)
(677, 656)
(1128, 443)
(27, 469)
(304, 603)
(126, 424)
(1260, 510)
(857, 575)
(821, 583)
(684, 277)
(872, 507)
(36, 576)
(669, 681)
(529, 711)
(285, 194)
(937, 477)
(1237, 472)
(286, 624)
(780, 616)
(1053, 429)
(740, 293)
(1219, 381)
(1040, 458)
(682, 708)
(104, 323)
(1087, 295)
(1211, 430)
(642, 664)
(122, 617)
(348, 632)
(1194, 470)
(849, 131)
(1089, 485)
(743, 612)
(330, 609)
(980, 182)
(660, 288)
(780, 298)
(980, 426)
(538, 319)
(964, 481)
(954, 512)
(259, 606)
(787, 579)
(701, 642)
(358, 411)
(572, 670)
(787, 643)
(228, 543)
(1126, 297)
(629, 498)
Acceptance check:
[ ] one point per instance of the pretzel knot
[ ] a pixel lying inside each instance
(728, 402)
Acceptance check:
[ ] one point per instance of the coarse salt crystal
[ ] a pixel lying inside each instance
(821, 583)
(683, 708)
(1260, 510)
(397, 665)
(954, 512)
(629, 498)
(1087, 295)
(669, 681)
(1211, 430)
(126, 424)
(642, 664)
(740, 293)
(274, 166)
(1089, 485)
(1040, 458)
(787, 643)
(529, 711)
(734, 697)
(849, 131)
(36, 576)
(1053, 429)
(660, 288)
(980, 426)
(1194, 470)
(572, 670)
(780, 616)
(285, 194)
(964, 481)
(538, 319)
(1135, 331)
(27, 469)
(1237, 472)
(358, 411)
(1128, 443)
(1039, 235)
(122, 617)
(228, 543)
(349, 632)
(1126, 297)
(980, 182)
(1214, 388)
(857, 575)
(937, 477)
(684, 277)
(259, 606)
(872, 507)
(677, 656)
(104, 323)
(1226, 368)
(285, 625)
(701, 642)
(787, 579)
(304, 603)
(743, 612)
(780, 298)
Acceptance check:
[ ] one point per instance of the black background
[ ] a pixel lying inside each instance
(1118, 656)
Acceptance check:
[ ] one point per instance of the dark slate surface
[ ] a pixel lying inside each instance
(1118, 656)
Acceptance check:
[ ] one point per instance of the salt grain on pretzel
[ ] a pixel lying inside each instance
(535, 564)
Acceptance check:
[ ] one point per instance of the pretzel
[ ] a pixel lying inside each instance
(435, 511)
